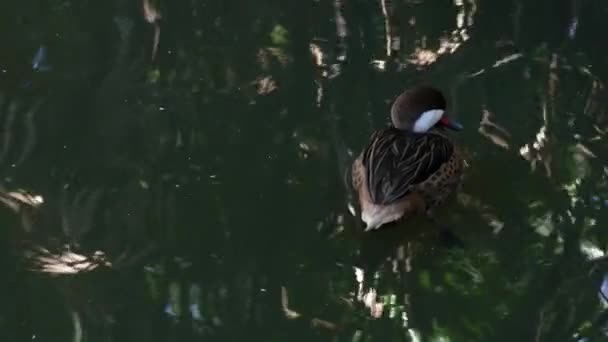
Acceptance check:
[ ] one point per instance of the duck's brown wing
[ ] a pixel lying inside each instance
(395, 161)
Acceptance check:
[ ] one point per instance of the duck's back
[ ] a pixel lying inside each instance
(400, 173)
(395, 161)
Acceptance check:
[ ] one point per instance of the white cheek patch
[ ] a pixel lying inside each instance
(427, 120)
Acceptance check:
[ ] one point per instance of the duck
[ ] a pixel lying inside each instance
(412, 166)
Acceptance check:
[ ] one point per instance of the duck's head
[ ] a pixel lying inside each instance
(421, 109)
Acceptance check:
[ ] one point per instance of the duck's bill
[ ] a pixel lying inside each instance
(451, 124)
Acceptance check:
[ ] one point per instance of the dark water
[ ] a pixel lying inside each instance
(193, 154)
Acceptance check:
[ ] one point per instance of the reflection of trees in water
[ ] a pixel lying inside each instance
(208, 176)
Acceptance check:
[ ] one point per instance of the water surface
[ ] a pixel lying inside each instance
(175, 171)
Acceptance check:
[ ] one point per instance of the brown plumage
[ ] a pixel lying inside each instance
(410, 167)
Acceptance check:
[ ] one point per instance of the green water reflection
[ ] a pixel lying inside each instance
(175, 171)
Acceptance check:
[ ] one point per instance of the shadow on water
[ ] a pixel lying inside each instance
(177, 172)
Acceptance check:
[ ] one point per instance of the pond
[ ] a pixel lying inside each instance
(178, 171)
